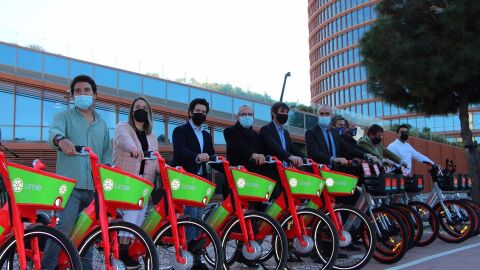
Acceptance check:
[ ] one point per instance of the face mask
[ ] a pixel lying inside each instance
(246, 121)
(353, 131)
(282, 118)
(83, 102)
(140, 115)
(376, 140)
(340, 130)
(198, 118)
(404, 136)
(323, 121)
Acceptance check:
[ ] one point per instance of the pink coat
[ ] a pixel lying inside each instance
(124, 142)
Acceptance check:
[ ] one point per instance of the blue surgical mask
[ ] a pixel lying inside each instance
(353, 131)
(323, 121)
(83, 102)
(246, 121)
(340, 130)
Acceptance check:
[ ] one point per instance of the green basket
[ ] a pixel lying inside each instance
(338, 183)
(39, 189)
(190, 189)
(252, 186)
(304, 185)
(124, 190)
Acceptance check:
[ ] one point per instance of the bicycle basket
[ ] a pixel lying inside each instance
(338, 183)
(304, 185)
(38, 189)
(414, 183)
(380, 185)
(124, 190)
(252, 186)
(190, 189)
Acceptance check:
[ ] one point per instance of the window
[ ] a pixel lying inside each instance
(30, 60)
(106, 77)
(378, 109)
(177, 92)
(28, 110)
(129, 82)
(371, 108)
(237, 102)
(8, 55)
(221, 103)
(6, 108)
(159, 128)
(218, 137)
(27, 133)
(56, 66)
(50, 108)
(80, 68)
(199, 93)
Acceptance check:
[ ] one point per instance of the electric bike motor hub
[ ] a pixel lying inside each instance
(252, 256)
(303, 250)
(188, 261)
(347, 241)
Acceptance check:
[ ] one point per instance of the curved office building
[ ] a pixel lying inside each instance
(337, 77)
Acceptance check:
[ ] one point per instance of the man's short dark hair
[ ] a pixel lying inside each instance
(83, 78)
(347, 124)
(197, 101)
(336, 118)
(374, 129)
(277, 106)
(403, 126)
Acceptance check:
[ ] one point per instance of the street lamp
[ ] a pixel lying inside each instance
(284, 82)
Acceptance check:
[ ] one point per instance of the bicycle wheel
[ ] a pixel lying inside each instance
(459, 226)
(205, 249)
(322, 239)
(136, 249)
(392, 243)
(42, 234)
(358, 247)
(476, 210)
(270, 250)
(429, 221)
(409, 223)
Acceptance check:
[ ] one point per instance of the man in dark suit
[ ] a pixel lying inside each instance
(192, 148)
(276, 141)
(324, 144)
(243, 143)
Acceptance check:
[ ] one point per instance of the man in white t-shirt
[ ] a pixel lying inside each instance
(405, 151)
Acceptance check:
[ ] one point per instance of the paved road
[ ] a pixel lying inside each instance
(439, 255)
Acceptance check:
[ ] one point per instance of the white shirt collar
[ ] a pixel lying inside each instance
(195, 127)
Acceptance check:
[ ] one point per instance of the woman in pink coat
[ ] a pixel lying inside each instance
(130, 140)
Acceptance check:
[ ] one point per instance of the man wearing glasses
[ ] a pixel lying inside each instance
(243, 143)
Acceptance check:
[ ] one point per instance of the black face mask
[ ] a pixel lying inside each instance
(198, 118)
(376, 140)
(404, 136)
(282, 118)
(140, 115)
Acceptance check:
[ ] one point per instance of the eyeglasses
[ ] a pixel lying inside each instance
(245, 114)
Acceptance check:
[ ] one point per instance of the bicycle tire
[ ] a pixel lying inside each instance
(457, 235)
(426, 214)
(409, 223)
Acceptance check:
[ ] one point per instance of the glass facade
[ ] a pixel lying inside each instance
(29, 119)
(337, 76)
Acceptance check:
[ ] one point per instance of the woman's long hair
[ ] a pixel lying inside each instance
(147, 125)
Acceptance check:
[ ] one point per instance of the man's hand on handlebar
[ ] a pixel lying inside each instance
(67, 147)
(203, 157)
(258, 158)
(404, 164)
(388, 162)
(341, 161)
(296, 161)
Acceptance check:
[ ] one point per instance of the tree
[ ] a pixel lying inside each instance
(422, 55)
(36, 47)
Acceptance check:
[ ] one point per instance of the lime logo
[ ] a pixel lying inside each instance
(175, 185)
(62, 189)
(17, 185)
(108, 184)
(145, 192)
(330, 182)
(293, 182)
(241, 183)
(209, 191)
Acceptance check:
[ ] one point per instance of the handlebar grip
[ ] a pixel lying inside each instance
(147, 153)
(213, 158)
(79, 148)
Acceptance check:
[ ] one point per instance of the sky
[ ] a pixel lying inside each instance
(249, 43)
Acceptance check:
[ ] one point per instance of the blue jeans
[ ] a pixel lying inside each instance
(79, 200)
(194, 212)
